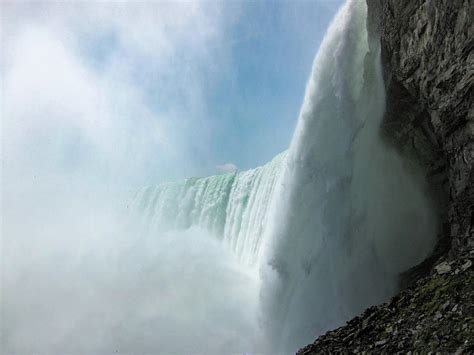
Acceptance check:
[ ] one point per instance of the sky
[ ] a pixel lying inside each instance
(142, 92)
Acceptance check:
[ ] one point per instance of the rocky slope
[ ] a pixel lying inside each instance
(427, 53)
(434, 314)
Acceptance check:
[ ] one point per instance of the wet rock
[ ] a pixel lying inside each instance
(466, 265)
(427, 53)
(434, 324)
(443, 268)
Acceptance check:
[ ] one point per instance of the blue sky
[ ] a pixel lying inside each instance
(145, 92)
(275, 43)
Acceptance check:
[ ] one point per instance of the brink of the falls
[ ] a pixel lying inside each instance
(328, 226)
(233, 207)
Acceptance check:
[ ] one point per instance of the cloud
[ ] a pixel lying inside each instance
(110, 89)
(227, 167)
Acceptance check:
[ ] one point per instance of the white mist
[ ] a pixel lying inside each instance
(258, 261)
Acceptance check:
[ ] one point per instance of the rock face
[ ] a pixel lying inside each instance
(427, 53)
(434, 314)
(428, 59)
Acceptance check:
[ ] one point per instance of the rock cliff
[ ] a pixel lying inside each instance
(428, 59)
(429, 69)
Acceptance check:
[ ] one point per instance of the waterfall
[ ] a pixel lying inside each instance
(331, 223)
(233, 206)
(350, 214)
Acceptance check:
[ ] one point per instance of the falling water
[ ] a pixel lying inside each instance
(233, 206)
(331, 223)
(350, 214)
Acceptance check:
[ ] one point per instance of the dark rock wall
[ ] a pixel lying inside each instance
(429, 68)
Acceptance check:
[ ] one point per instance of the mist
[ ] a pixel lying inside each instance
(81, 133)
(103, 105)
(115, 289)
